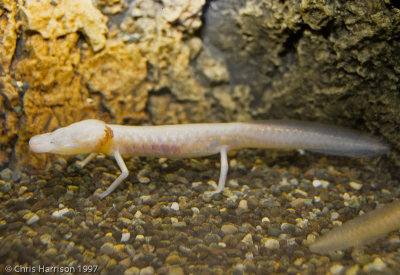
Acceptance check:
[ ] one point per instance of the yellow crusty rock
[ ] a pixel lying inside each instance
(68, 16)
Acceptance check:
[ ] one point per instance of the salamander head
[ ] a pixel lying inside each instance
(87, 136)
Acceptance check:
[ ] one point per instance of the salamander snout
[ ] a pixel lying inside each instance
(41, 143)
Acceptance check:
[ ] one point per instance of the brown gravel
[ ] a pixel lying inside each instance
(275, 204)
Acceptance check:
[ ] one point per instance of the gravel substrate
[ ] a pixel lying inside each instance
(162, 220)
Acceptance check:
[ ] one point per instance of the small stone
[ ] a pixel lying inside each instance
(229, 229)
(176, 270)
(125, 221)
(3, 224)
(51, 252)
(212, 238)
(302, 223)
(103, 260)
(175, 206)
(248, 240)
(144, 180)
(265, 222)
(5, 187)
(145, 198)
(125, 237)
(173, 259)
(138, 214)
(155, 211)
(270, 243)
(300, 192)
(273, 231)
(111, 264)
(334, 216)
(132, 271)
(337, 269)
(195, 210)
(319, 183)
(59, 213)
(31, 218)
(355, 185)
(22, 190)
(17, 175)
(125, 263)
(376, 265)
(243, 205)
(108, 249)
(238, 269)
(354, 270)
(45, 239)
(72, 189)
(252, 202)
(179, 225)
(148, 270)
(233, 184)
(6, 174)
(364, 259)
(288, 228)
(139, 237)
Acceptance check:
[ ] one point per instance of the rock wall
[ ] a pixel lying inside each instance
(176, 61)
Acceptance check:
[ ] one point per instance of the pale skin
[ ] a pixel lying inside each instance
(194, 140)
(360, 230)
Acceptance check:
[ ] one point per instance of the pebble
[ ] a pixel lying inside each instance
(376, 265)
(45, 239)
(143, 179)
(302, 223)
(22, 190)
(195, 210)
(107, 248)
(233, 184)
(270, 243)
(243, 205)
(252, 202)
(175, 206)
(212, 238)
(248, 240)
(334, 216)
(125, 236)
(300, 192)
(145, 198)
(155, 211)
(229, 229)
(176, 270)
(265, 221)
(173, 259)
(273, 231)
(132, 271)
(355, 185)
(353, 270)
(6, 174)
(59, 213)
(149, 270)
(319, 183)
(337, 269)
(31, 218)
(16, 176)
(288, 228)
(5, 187)
(138, 214)
(51, 252)
(139, 237)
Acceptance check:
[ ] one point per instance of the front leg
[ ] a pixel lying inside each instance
(224, 170)
(82, 163)
(124, 174)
